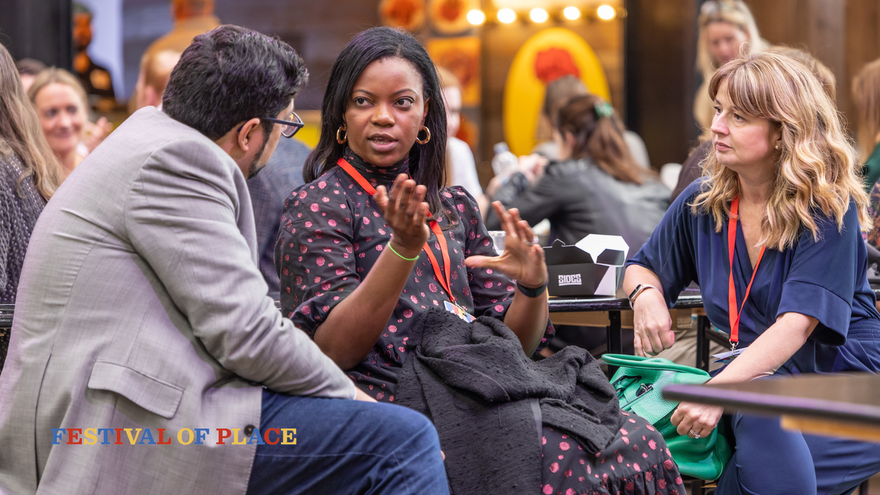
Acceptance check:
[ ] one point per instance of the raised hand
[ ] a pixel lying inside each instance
(522, 260)
(96, 133)
(406, 213)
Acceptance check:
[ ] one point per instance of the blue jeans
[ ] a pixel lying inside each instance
(346, 447)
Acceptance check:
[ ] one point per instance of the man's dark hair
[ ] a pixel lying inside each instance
(229, 75)
(426, 162)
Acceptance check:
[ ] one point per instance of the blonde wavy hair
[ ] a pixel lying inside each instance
(816, 169)
(734, 12)
(21, 134)
(866, 94)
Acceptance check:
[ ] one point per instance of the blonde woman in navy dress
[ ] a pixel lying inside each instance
(783, 189)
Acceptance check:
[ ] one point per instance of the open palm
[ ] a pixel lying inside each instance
(522, 260)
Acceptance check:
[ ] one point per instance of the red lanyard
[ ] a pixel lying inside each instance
(731, 288)
(442, 276)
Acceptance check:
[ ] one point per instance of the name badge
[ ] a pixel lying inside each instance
(458, 311)
(726, 357)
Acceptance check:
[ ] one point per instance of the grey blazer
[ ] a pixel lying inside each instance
(141, 306)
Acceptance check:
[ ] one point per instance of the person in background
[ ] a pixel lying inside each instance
(28, 68)
(556, 95)
(29, 175)
(595, 188)
(783, 187)
(460, 167)
(692, 168)
(866, 96)
(61, 105)
(155, 70)
(355, 255)
(727, 29)
(268, 190)
(191, 18)
(95, 79)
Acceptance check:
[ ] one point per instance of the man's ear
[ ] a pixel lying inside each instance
(247, 133)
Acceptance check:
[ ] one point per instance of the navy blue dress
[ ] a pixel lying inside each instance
(825, 279)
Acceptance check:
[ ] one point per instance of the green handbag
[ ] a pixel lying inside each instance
(639, 382)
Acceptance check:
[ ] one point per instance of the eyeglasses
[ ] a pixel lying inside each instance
(288, 127)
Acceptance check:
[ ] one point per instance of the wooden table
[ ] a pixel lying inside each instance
(843, 405)
(616, 316)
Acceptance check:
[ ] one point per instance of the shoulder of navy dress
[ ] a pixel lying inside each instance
(690, 192)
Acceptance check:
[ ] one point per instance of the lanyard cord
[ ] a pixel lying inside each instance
(442, 276)
(733, 314)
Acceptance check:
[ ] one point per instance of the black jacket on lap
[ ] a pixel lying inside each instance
(489, 401)
(579, 198)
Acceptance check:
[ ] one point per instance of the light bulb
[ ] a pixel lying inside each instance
(506, 16)
(538, 15)
(476, 17)
(571, 13)
(606, 12)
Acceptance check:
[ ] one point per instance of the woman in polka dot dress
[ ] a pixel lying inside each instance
(374, 239)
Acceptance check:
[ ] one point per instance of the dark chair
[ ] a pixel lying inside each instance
(6, 311)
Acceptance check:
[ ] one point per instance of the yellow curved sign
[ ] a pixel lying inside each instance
(545, 54)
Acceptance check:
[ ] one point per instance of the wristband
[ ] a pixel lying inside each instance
(638, 291)
(528, 292)
(400, 255)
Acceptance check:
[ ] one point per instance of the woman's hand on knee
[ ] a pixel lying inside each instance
(696, 420)
(406, 213)
(652, 324)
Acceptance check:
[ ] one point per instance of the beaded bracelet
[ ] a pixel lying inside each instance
(400, 255)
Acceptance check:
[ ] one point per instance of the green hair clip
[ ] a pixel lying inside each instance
(603, 109)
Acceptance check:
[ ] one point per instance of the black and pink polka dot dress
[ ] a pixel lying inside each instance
(332, 233)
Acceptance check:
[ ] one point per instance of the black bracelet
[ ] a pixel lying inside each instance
(528, 292)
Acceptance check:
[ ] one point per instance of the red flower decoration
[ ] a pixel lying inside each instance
(553, 63)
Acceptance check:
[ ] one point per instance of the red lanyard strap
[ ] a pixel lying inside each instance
(351, 171)
(733, 314)
(442, 276)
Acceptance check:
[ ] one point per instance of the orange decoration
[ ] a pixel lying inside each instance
(451, 10)
(406, 14)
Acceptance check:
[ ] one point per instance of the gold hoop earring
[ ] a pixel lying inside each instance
(427, 133)
(341, 140)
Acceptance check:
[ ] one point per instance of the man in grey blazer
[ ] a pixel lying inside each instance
(145, 356)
